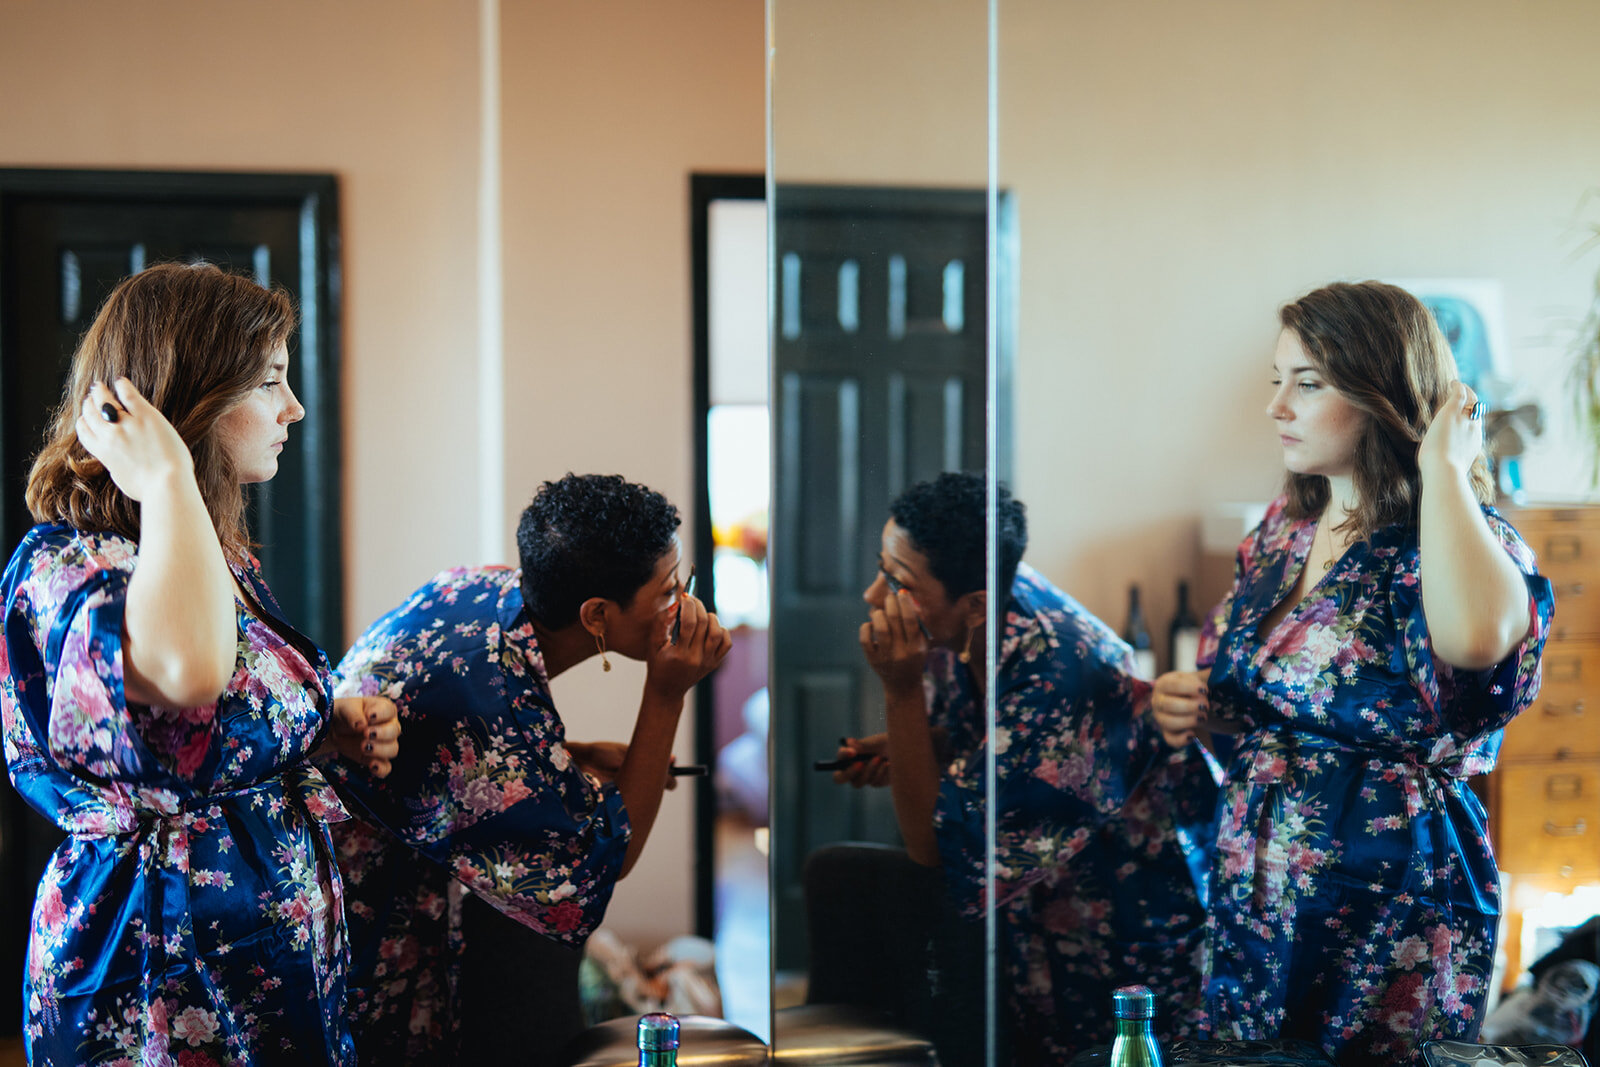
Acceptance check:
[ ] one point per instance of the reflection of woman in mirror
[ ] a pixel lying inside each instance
(1093, 890)
(161, 711)
(498, 802)
(1383, 626)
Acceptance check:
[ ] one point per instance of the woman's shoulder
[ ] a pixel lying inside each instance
(59, 556)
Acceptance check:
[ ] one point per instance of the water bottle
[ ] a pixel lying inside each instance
(1135, 1045)
(658, 1040)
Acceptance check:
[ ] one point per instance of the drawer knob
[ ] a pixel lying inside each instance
(1577, 829)
(1562, 711)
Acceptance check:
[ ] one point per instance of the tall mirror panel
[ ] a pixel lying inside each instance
(880, 236)
(1250, 472)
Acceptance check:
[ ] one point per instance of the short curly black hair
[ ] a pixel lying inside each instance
(945, 519)
(589, 535)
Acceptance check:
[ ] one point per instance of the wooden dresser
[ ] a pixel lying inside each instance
(1544, 797)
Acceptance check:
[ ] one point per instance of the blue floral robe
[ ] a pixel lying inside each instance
(483, 796)
(1101, 827)
(1355, 895)
(193, 917)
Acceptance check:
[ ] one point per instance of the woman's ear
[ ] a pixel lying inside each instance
(974, 608)
(592, 615)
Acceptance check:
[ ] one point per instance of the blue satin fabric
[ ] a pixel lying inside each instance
(1354, 894)
(194, 914)
(1097, 822)
(483, 798)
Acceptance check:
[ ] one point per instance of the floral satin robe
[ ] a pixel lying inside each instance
(193, 918)
(1104, 832)
(1355, 895)
(483, 797)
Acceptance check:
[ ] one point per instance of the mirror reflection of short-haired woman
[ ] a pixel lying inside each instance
(1384, 624)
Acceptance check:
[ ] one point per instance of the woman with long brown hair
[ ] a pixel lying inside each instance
(1384, 624)
(158, 707)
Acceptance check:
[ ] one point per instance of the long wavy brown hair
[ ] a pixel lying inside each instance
(194, 340)
(1380, 347)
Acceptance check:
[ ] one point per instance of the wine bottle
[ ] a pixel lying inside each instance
(1183, 638)
(1135, 1044)
(658, 1040)
(1137, 634)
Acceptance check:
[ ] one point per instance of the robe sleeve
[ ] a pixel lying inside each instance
(1469, 704)
(1068, 754)
(489, 792)
(76, 604)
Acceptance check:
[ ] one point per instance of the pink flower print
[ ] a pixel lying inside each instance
(188, 1058)
(156, 1016)
(192, 753)
(1410, 952)
(52, 912)
(567, 915)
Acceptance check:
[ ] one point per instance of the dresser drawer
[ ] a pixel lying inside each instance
(1567, 546)
(1547, 818)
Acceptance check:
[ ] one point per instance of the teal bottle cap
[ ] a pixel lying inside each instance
(658, 1032)
(1133, 1002)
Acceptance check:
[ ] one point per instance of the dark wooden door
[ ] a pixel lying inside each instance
(880, 376)
(67, 237)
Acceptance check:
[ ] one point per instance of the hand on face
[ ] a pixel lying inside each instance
(673, 668)
(366, 731)
(1454, 439)
(140, 450)
(1179, 705)
(893, 642)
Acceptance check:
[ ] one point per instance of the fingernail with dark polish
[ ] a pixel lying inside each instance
(369, 747)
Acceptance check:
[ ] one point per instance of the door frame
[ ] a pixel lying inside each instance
(703, 189)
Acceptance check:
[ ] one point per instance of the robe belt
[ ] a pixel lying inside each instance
(1295, 744)
(144, 807)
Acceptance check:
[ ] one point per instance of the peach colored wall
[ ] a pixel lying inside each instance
(606, 109)
(1183, 169)
(892, 91)
(382, 94)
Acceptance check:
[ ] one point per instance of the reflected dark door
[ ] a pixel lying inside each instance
(880, 382)
(67, 237)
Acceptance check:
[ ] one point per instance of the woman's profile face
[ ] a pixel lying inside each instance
(902, 565)
(633, 631)
(1318, 426)
(253, 433)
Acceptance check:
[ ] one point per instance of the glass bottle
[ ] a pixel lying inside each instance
(1183, 637)
(1135, 1045)
(1137, 633)
(658, 1040)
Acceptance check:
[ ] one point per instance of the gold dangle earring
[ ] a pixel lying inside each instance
(600, 643)
(966, 653)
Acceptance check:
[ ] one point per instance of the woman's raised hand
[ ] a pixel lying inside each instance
(893, 642)
(701, 646)
(138, 446)
(1454, 439)
(1179, 706)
